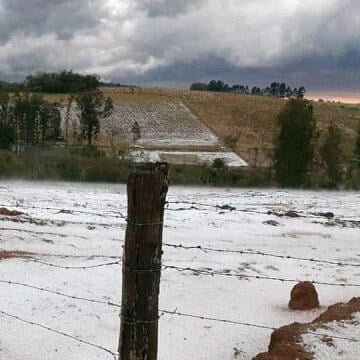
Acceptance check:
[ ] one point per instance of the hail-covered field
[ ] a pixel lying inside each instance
(161, 124)
(68, 226)
(166, 132)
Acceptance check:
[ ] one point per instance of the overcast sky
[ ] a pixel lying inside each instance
(175, 42)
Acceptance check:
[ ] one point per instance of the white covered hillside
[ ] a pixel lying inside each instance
(166, 132)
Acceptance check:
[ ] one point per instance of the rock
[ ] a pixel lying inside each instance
(271, 222)
(226, 207)
(328, 215)
(304, 297)
(7, 212)
(292, 214)
(271, 212)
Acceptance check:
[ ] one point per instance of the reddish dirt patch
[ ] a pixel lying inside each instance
(7, 212)
(285, 342)
(14, 254)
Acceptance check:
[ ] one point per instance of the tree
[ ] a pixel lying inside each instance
(332, 155)
(198, 86)
(70, 101)
(49, 121)
(7, 136)
(93, 107)
(294, 148)
(216, 86)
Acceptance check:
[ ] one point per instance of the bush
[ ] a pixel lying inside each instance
(10, 165)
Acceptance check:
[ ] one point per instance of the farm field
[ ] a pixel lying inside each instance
(71, 281)
(161, 125)
(250, 120)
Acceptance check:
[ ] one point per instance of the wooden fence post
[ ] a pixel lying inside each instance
(146, 189)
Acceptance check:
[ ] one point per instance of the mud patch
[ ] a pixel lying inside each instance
(4, 255)
(6, 212)
(286, 343)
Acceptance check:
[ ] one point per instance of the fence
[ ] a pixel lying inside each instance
(109, 261)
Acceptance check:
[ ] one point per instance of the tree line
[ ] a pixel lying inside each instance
(62, 82)
(29, 119)
(276, 89)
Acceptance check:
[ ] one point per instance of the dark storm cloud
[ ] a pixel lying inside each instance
(36, 17)
(303, 42)
(157, 8)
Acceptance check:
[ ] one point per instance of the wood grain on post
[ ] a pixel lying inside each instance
(146, 189)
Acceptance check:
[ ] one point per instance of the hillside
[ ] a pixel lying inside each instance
(250, 120)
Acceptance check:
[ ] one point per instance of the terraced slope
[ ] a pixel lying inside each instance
(161, 125)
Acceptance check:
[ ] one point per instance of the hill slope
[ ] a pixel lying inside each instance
(250, 120)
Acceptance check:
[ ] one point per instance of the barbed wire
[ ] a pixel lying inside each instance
(66, 211)
(163, 311)
(29, 255)
(48, 221)
(209, 272)
(73, 267)
(59, 333)
(130, 222)
(260, 253)
(91, 256)
(207, 318)
(42, 233)
(54, 292)
(212, 272)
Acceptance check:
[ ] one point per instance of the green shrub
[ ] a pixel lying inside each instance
(10, 165)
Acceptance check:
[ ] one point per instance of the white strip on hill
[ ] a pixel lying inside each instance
(161, 124)
(187, 157)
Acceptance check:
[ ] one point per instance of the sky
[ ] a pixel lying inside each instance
(173, 43)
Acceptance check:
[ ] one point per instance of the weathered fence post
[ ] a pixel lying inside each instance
(146, 190)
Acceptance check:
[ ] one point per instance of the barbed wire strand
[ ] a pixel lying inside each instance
(175, 312)
(260, 253)
(65, 211)
(212, 272)
(73, 267)
(59, 333)
(180, 246)
(73, 297)
(91, 256)
(207, 318)
(42, 233)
